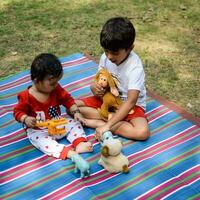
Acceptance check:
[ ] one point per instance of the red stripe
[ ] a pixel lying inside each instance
(97, 174)
(80, 81)
(64, 191)
(27, 78)
(13, 153)
(162, 146)
(77, 84)
(171, 182)
(159, 168)
(17, 171)
(77, 185)
(19, 81)
(164, 111)
(154, 110)
(28, 167)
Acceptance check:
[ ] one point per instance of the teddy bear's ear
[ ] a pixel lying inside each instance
(112, 84)
(105, 151)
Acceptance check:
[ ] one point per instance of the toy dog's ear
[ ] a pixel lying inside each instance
(112, 84)
(105, 151)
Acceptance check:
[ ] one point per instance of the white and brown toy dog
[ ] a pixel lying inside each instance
(111, 157)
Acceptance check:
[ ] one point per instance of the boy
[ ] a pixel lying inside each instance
(117, 39)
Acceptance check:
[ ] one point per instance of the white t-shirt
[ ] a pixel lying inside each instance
(130, 74)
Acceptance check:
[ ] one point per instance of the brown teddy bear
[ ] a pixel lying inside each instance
(111, 99)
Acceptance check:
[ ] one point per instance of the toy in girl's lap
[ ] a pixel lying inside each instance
(111, 157)
(54, 126)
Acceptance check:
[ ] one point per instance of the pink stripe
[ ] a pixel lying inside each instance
(15, 82)
(26, 78)
(27, 168)
(104, 178)
(180, 185)
(171, 182)
(160, 113)
(29, 187)
(13, 153)
(15, 172)
(65, 86)
(151, 112)
(77, 184)
(159, 168)
(99, 179)
(167, 125)
(8, 137)
(13, 140)
(162, 146)
(75, 62)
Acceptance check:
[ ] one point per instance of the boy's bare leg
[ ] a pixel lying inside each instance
(93, 119)
(136, 129)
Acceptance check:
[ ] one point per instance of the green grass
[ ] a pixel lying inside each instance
(167, 38)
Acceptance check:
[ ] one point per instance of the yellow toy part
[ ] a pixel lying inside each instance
(54, 126)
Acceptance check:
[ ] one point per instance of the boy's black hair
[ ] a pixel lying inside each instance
(45, 64)
(117, 33)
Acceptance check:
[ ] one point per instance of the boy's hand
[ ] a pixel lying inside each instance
(100, 130)
(97, 90)
(30, 121)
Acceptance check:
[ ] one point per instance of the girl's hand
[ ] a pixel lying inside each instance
(30, 121)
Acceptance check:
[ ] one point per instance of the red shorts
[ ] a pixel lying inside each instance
(96, 102)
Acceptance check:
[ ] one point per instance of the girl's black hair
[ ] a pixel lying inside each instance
(45, 64)
(117, 33)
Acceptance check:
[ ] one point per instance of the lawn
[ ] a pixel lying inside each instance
(167, 39)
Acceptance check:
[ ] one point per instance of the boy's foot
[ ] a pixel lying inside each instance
(83, 147)
(94, 123)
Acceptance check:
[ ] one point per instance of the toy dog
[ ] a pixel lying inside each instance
(111, 157)
(81, 164)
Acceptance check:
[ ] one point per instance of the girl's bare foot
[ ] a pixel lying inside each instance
(83, 147)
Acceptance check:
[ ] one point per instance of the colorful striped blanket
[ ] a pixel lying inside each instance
(166, 166)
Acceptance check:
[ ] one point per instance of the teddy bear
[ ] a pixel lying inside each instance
(111, 97)
(111, 157)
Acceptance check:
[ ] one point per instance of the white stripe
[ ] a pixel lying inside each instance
(166, 182)
(154, 109)
(31, 81)
(132, 155)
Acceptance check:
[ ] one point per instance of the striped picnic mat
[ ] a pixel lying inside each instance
(166, 166)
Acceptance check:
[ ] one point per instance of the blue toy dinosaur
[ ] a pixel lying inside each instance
(81, 164)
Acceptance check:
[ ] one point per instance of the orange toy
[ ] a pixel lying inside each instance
(111, 97)
(53, 126)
